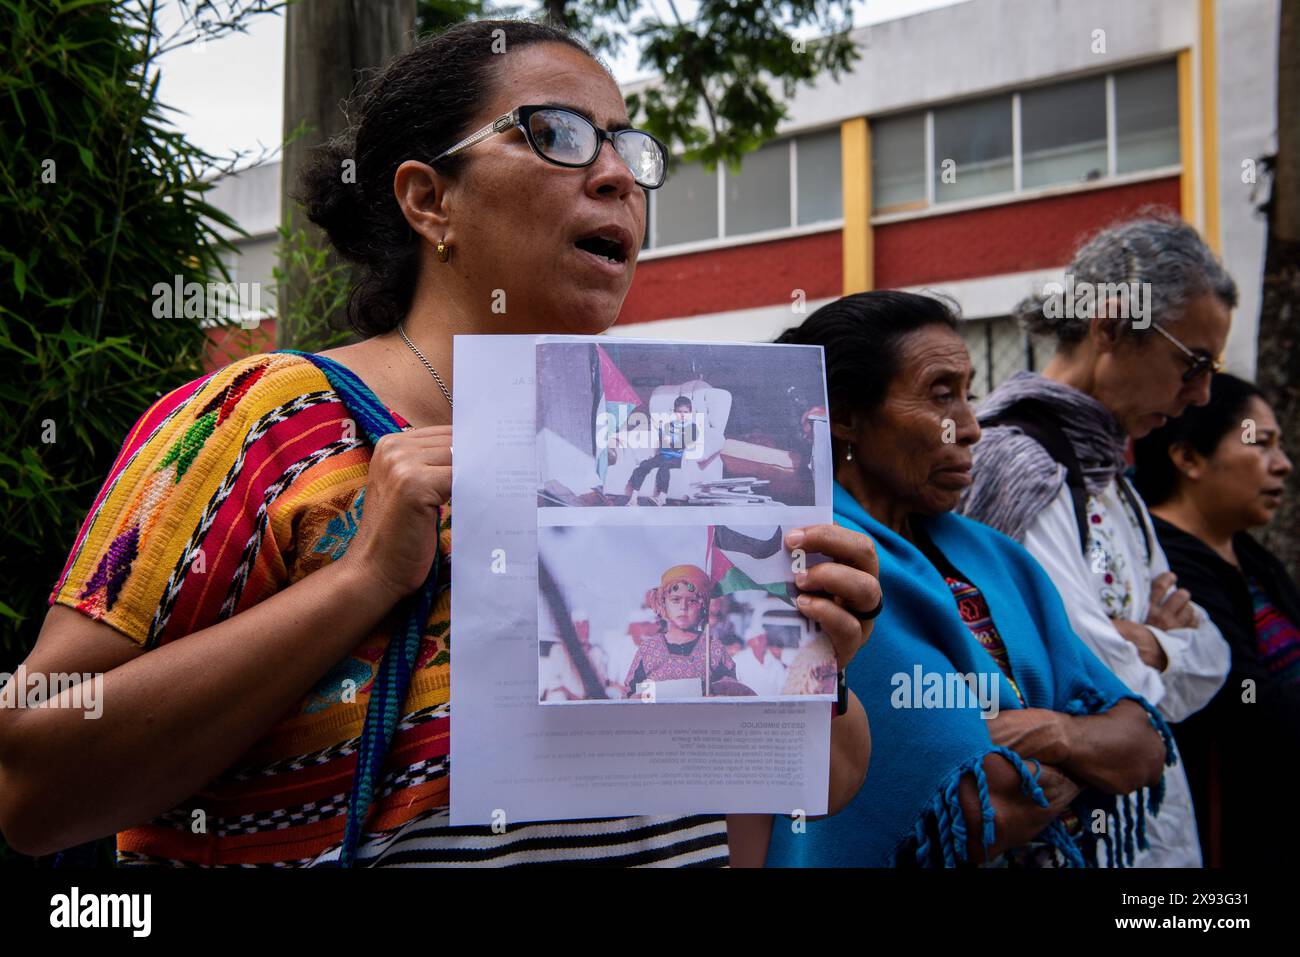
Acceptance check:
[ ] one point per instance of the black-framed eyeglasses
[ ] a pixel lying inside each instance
(1198, 363)
(569, 139)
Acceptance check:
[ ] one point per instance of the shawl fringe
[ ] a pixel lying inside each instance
(1123, 835)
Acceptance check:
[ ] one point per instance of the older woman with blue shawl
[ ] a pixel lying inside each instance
(999, 738)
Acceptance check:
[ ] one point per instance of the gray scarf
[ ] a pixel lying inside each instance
(1014, 477)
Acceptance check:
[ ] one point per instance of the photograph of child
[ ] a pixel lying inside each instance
(675, 435)
(714, 423)
(693, 591)
(675, 652)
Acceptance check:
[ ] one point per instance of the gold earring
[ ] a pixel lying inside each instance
(443, 251)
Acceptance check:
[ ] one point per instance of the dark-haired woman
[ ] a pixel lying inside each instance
(263, 580)
(1049, 471)
(996, 731)
(1209, 476)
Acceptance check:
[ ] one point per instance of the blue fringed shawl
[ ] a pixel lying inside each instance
(908, 809)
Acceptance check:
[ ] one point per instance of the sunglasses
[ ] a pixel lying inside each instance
(1198, 363)
(569, 139)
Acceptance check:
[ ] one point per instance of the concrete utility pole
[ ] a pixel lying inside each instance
(329, 47)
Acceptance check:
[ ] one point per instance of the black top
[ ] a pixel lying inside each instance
(1239, 755)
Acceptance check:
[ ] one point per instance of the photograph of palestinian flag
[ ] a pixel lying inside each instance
(635, 424)
(631, 614)
(740, 562)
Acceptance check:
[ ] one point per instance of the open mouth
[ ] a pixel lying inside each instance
(610, 245)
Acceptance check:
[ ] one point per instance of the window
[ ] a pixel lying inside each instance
(898, 161)
(1070, 132)
(1146, 118)
(818, 159)
(1063, 133)
(972, 149)
(686, 206)
(758, 197)
(998, 350)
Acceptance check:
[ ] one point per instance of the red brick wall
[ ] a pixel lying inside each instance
(741, 277)
(1015, 237)
(228, 343)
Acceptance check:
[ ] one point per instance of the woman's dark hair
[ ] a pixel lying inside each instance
(1158, 249)
(421, 103)
(1202, 427)
(860, 334)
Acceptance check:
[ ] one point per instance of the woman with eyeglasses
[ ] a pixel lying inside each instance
(1209, 477)
(1049, 470)
(264, 579)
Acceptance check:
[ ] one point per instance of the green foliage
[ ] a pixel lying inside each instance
(722, 64)
(434, 16)
(325, 293)
(602, 24)
(712, 100)
(101, 199)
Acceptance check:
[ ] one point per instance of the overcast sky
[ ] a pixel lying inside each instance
(228, 93)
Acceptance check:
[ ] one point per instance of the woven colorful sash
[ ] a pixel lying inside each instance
(394, 678)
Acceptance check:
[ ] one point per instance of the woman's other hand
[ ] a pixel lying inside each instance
(1170, 607)
(1140, 636)
(1018, 818)
(1036, 733)
(1116, 751)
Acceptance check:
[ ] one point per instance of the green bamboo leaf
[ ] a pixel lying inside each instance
(78, 341)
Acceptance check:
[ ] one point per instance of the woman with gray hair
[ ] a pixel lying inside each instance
(1138, 324)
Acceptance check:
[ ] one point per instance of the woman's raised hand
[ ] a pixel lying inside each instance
(409, 478)
(837, 592)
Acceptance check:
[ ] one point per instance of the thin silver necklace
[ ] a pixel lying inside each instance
(427, 364)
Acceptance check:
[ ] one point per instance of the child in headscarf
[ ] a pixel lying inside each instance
(676, 651)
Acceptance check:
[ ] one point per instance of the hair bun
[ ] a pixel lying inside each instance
(1032, 314)
(332, 198)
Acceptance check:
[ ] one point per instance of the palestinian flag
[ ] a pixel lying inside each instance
(618, 399)
(740, 562)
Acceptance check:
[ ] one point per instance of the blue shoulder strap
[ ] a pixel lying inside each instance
(388, 691)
